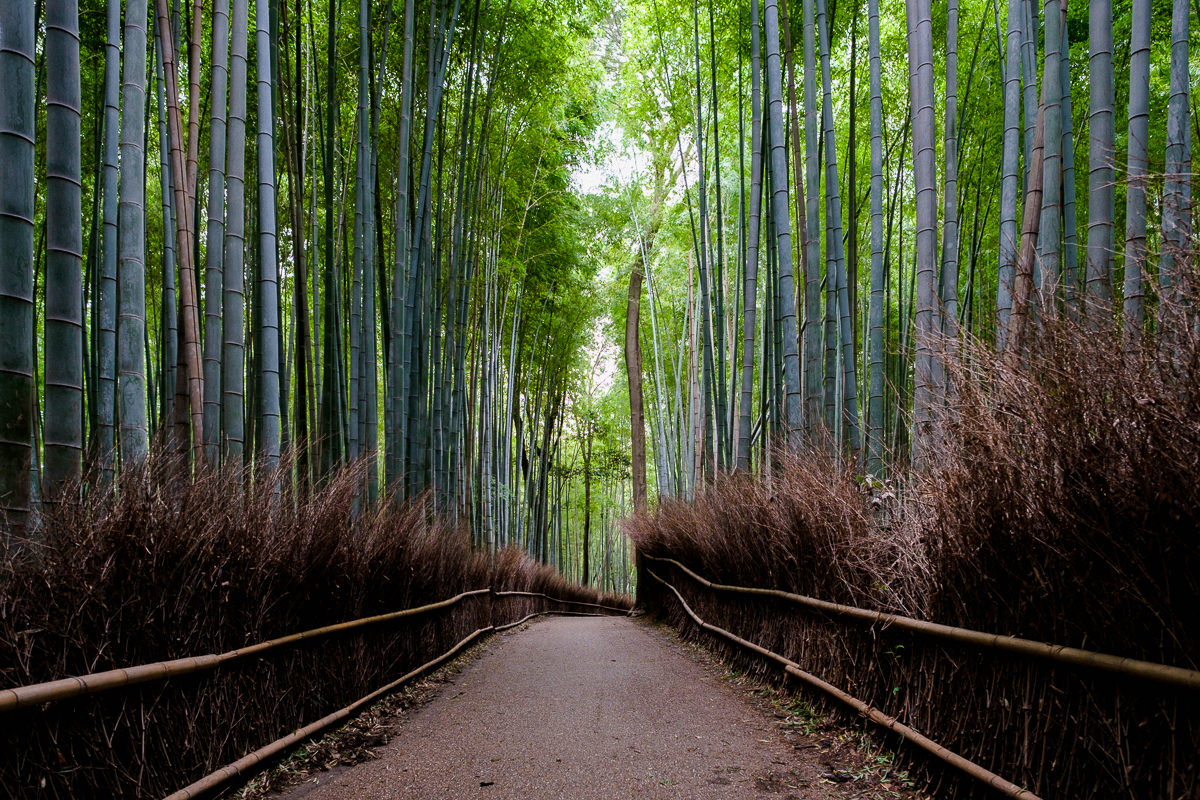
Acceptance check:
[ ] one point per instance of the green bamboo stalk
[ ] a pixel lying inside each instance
(131, 275)
(1101, 174)
(233, 300)
(105, 333)
(1009, 170)
(876, 324)
(63, 436)
(920, 59)
(1177, 191)
(1136, 160)
(215, 245)
(750, 292)
(783, 229)
(17, 130)
(267, 318)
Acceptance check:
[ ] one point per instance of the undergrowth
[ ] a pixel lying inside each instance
(1062, 504)
(166, 568)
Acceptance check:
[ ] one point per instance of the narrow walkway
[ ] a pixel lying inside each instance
(581, 708)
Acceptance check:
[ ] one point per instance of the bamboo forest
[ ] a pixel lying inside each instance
(314, 310)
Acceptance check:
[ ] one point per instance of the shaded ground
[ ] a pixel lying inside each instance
(603, 708)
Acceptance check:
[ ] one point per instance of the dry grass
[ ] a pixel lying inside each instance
(813, 528)
(167, 568)
(1064, 505)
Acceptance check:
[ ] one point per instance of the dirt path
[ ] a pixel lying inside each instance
(584, 708)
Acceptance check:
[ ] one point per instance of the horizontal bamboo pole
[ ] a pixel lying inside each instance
(964, 765)
(248, 762)
(94, 683)
(1117, 665)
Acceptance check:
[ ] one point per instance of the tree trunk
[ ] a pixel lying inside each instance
(1135, 181)
(783, 228)
(333, 390)
(185, 250)
(750, 290)
(1049, 260)
(63, 437)
(846, 402)
(17, 131)
(875, 407)
(1009, 173)
(950, 232)
(589, 432)
(1101, 174)
(1023, 286)
(920, 57)
(233, 301)
(215, 246)
(105, 338)
(633, 371)
(815, 428)
(131, 255)
(1177, 192)
(1070, 233)
(267, 318)
(172, 384)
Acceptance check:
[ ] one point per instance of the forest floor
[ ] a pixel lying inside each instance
(590, 708)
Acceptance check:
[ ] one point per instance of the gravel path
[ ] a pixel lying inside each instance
(581, 708)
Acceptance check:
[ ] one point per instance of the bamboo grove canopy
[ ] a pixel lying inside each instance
(360, 235)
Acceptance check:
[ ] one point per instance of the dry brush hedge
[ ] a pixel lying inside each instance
(157, 574)
(1065, 508)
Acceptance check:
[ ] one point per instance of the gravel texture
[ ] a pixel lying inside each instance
(581, 708)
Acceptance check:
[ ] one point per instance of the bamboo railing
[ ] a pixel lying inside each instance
(968, 767)
(1116, 665)
(95, 683)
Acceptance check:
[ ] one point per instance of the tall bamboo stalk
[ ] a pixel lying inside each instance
(267, 318)
(783, 228)
(105, 338)
(1009, 171)
(1136, 160)
(215, 245)
(1177, 191)
(63, 434)
(920, 60)
(750, 291)
(185, 251)
(17, 130)
(1101, 174)
(875, 407)
(1049, 260)
(233, 301)
(131, 220)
